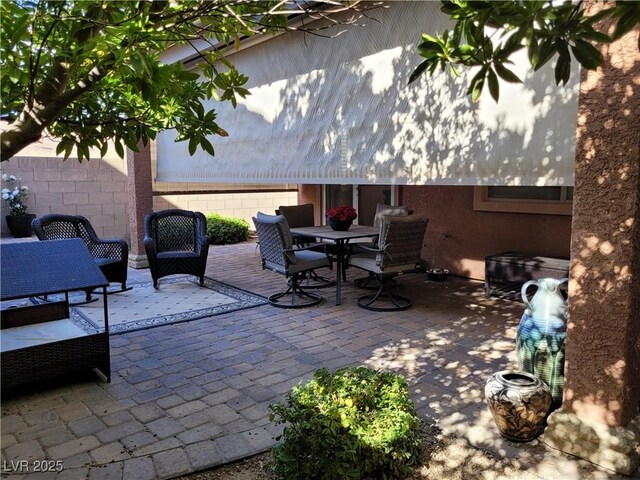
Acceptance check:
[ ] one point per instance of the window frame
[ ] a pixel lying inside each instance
(483, 202)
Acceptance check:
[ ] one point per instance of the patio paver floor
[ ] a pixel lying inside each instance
(193, 395)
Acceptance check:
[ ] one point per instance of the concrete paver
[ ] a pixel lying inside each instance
(193, 395)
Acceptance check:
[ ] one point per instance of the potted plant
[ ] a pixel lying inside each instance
(340, 218)
(15, 196)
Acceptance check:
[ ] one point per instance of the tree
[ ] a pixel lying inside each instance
(486, 34)
(87, 71)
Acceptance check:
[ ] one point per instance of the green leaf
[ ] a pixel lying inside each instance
(494, 86)
(506, 74)
(193, 145)
(420, 69)
(477, 83)
(119, 148)
(562, 70)
(206, 146)
(545, 53)
(587, 55)
(627, 22)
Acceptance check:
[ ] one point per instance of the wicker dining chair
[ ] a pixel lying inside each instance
(111, 255)
(303, 216)
(398, 251)
(279, 255)
(176, 242)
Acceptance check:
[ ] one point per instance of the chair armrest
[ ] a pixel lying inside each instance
(370, 249)
(149, 245)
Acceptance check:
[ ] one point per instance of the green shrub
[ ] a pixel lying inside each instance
(226, 230)
(355, 423)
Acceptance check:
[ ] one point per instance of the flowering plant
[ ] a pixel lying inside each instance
(342, 213)
(16, 195)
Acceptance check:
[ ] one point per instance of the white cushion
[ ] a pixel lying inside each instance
(37, 334)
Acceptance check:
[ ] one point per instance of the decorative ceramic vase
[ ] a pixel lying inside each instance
(339, 225)
(20, 225)
(519, 403)
(540, 340)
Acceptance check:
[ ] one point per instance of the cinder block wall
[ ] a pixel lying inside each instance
(97, 189)
(242, 205)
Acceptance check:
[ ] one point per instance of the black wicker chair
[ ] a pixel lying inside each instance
(176, 242)
(279, 255)
(398, 251)
(111, 255)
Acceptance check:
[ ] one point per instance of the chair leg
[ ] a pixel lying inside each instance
(371, 282)
(387, 300)
(202, 281)
(313, 280)
(297, 296)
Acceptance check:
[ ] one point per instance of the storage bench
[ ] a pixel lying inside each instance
(506, 272)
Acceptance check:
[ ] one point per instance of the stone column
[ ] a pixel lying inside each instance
(599, 419)
(140, 202)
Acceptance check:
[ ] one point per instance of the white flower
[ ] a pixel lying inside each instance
(24, 189)
(5, 190)
(16, 191)
(5, 177)
(12, 178)
(17, 205)
(5, 196)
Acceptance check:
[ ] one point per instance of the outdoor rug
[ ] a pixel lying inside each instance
(179, 299)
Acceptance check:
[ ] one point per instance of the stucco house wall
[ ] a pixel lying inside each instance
(472, 235)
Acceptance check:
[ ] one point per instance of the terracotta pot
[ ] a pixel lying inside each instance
(20, 225)
(340, 226)
(519, 403)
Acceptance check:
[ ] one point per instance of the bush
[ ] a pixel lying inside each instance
(355, 423)
(226, 230)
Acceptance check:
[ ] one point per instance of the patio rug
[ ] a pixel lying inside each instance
(179, 299)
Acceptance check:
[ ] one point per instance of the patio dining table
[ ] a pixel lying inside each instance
(341, 239)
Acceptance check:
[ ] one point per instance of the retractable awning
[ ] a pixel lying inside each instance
(340, 110)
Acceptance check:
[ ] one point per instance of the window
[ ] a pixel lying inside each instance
(545, 200)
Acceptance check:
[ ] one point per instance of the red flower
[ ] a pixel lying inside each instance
(342, 213)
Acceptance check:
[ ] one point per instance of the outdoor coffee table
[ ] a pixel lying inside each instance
(39, 341)
(341, 239)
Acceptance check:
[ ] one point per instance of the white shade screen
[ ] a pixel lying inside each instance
(341, 111)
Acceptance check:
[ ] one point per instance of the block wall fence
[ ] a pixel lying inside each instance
(97, 189)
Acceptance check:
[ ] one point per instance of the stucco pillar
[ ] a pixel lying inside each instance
(599, 419)
(140, 202)
(312, 194)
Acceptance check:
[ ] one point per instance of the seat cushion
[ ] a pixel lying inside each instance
(177, 254)
(308, 260)
(367, 261)
(39, 333)
(100, 261)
